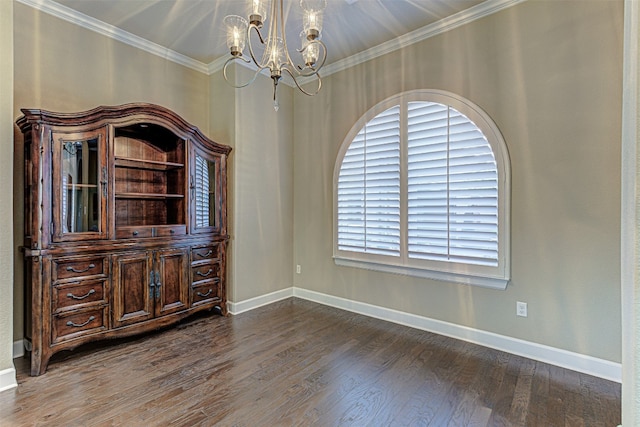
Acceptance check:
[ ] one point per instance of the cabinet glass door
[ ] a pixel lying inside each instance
(205, 187)
(79, 186)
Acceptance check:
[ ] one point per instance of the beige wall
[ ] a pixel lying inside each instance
(63, 67)
(6, 203)
(222, 107)
(262, 234)
(60, 66)
(549, 74)
(260, 179)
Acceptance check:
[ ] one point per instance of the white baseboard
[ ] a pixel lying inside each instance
(18, 348)
(566, 359)
(8, 379)
(252, 303)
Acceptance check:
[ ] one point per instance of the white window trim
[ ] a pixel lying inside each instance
(476, 275)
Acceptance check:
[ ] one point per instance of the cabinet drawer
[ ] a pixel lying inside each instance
(205, 272)
(205, 253)
(134, 232)
(171, 230)
(72, 324)
(77, 294)
(205, 292)
(77, 267)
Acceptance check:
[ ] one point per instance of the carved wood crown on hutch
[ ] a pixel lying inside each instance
(125, 224)
(119, 114)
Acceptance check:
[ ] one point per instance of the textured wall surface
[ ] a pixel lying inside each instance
(262, 232)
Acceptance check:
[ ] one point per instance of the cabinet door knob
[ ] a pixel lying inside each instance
(152, 281)
(135, 233)
(103, 181)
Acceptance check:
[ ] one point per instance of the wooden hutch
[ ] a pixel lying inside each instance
(125, 224)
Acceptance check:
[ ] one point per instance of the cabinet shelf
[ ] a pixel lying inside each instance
(79, 186)
(148, 196)
(131, 163)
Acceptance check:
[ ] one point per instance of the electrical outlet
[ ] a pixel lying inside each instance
(521, 309)
(298, 269)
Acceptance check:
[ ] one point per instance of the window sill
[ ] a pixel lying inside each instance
(481, 281)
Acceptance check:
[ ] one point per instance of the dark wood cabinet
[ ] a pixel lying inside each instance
(125, 224)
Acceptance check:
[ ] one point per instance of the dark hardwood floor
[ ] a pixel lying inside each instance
(297, 363)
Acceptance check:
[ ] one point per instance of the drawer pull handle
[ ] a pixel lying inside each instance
(81, 271)
(75, 325)
(201, 295)
(91, 292)
(204, 274)
(135, 233)
(172, 231)
(205, 255)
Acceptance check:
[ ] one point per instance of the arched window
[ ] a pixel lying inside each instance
(422, 188)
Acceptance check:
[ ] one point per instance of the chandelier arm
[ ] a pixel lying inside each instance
(224, 72)
(324, 55)
(300, 87)
(284, 38)
(253, 57)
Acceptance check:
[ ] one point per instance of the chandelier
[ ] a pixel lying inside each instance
(276, 56)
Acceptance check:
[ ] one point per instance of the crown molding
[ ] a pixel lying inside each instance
(461, 18)
(217, 64)
(73, 16)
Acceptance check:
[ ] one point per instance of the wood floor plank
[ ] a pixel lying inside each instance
(522, 392)
(297, 363)
(537, 409)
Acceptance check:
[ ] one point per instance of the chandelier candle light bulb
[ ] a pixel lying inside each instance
(312, 22)
(309, 51)
(258, 12)
(276, 58)
(236, 34)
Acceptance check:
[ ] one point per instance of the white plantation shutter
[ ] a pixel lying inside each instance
(427, 212)
(369, 188)
(202, 192)
(423, 189)
(452, 187)
(473, 194)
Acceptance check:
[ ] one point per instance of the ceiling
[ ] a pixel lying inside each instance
(194, 28)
